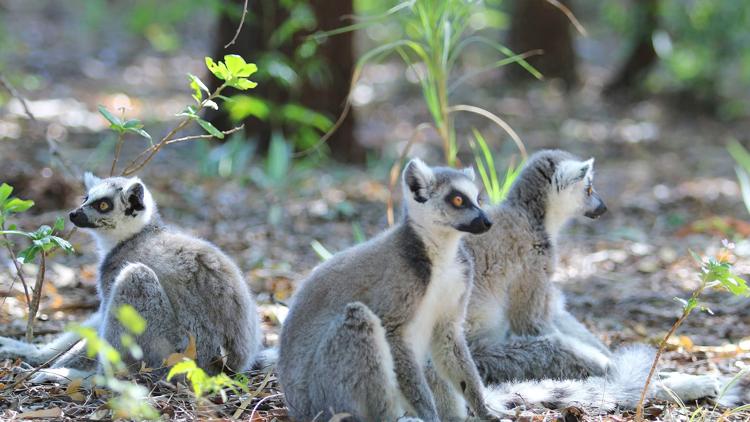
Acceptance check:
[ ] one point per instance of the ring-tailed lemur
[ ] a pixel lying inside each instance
(376, 331)
(182, 286)
(517, 325)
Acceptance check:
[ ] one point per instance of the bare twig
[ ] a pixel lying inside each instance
(118, 146)
(53, 151)
(571, 17)
(239, 27)
(149, 153)
(206, 136)
(686, 311)
(395, 171)
(26, 375)
(12, 91)
(345, 112)
(19, 270)
(34, 306)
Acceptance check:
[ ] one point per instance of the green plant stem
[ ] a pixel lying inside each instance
(19, 269)
(662, 346)
(150, 152)
(34, 306)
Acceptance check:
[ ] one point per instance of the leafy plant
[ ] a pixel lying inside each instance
(234, 71)
(437, 32)
(203, 384)
(742, 157)
(130, 399)
(715, 272)
(496, 189)
(43, 241)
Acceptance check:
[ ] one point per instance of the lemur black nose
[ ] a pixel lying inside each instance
(486, 222)
(72, 215)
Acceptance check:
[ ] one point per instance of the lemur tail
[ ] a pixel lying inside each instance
(620, 388)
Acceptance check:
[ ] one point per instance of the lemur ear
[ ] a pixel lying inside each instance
(418, 177)
(89, 180)
(134, 198)
(469, 172)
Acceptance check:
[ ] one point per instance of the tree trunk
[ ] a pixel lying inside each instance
(642, 56)
(337, 54)
(537, 24)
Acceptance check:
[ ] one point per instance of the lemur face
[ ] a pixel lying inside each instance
(444, 197)
(114, 207)
(573, 190)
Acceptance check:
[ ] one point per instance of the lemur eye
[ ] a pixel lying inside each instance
(103, 206)
(457, 201)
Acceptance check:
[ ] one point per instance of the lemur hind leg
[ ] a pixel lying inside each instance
(534, 357)
(138, 286)
(369, 391)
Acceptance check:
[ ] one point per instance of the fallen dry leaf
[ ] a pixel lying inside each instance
(54, 412)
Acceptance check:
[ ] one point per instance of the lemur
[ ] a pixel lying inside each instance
(517, 325)
(181, 285)
(376, 331)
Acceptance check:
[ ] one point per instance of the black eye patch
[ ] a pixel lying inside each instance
(103, 205)
(457, 199)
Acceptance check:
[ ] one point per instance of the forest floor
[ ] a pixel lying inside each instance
(663, 171)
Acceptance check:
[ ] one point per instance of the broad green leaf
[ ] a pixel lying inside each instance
(242, 106)
(16, 205)
(299, 114)
(279, 158)
(59, 224)
(62, 243)
(218, 69)
(132, 124)
(140, 132)
(5, 191)
(111, 118)
(211, 129)
(184, 367)
(198, 87)
(130, 319)
(27, 255)
(242, 84)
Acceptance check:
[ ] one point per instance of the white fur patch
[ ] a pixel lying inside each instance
(443, 296)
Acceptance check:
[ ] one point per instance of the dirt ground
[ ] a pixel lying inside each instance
(662, 169)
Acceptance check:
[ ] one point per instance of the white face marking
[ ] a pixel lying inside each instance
(119, 226)
(568, 192)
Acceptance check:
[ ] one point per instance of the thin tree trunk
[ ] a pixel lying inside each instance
(537, 24)
(642, 55)
(263, 18)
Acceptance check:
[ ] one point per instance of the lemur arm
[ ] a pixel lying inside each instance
(453, 362)
(570, 326)
(411, 379)
(529, 305)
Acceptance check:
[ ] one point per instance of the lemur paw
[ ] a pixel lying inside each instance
(691, 387)
(61, 376)
(12, 348)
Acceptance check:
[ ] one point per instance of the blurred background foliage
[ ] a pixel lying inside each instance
(692, 51)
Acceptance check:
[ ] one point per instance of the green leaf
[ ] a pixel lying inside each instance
(140, 132)
(15, 205)
(130, 319)
(27, 255)
(211, 129)
(59, 224)
(242, 84)
(242, 106)
(184, 367)
(107, 115)
(132, 124)
(198, 87)
(218, 69)
(62, 243)
(238, 67)
(279, 158)
(5, 191)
